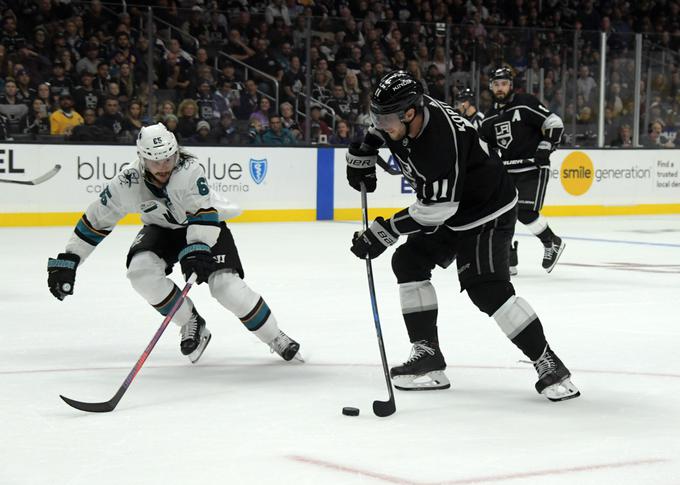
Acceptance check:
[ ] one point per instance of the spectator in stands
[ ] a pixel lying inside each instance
(11, 38)
(85, 96)
(236, 48)
(202, 135)
(12, 107)
(293, 80)
(126, 80)
(277, 9)
(164, 109)
(255, 131)
(342, 105)
(229, 74)
(625, 137)
(249, 101)
(317, 125)
(263, 113)
(25, 91)
(586, 85)
(6, 64)
(59, 82)
(65, 118)
(90, 61)
(103, 78)
(224, 99)
(653, 137)
(187, 118)
(276, 134)
(175, 74)
(89, 117)
(43, 93)
(171, 123)
(112, 119)
(341, 135)
(133, 121)
(37, 121)
(288, 120)
(205, 101)
(323, 82)
(225, 133)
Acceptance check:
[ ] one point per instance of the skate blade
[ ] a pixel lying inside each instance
(432, 381)
(205, 340)
(298, 358)
(562, 391)
(559, 253)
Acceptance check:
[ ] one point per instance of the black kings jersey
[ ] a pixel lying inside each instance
(515, 129)
(456, 182)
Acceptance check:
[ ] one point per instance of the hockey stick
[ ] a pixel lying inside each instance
(36, 181)
(386, 167)
(380, 408)
(110, 405)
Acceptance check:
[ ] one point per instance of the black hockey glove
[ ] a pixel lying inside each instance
(61, 274)
(197, 258)
(361, 160)
(542, 156)
(374, 241)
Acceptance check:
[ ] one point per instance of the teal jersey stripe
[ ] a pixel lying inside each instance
(165, 309)
(205, 217)
(88, 234)
(254, 322)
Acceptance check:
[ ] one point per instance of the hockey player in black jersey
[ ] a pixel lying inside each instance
(525, 133)
(465, 105)
(465, 211)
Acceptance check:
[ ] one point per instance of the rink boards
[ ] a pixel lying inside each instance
(305, 184)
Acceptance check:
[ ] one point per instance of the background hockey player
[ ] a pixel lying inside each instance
(465, 210)
(525, 133)
(465, 105)
(183, 221)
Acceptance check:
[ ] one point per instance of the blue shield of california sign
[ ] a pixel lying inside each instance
(258, 170)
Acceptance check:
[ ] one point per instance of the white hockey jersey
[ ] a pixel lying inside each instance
(186, 201)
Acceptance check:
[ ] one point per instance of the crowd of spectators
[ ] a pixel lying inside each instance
(88, 71)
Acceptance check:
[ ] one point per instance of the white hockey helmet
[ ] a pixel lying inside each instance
(156, 143)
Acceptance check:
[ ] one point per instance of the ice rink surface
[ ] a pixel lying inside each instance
(243, 416)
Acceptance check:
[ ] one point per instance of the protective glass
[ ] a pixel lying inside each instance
(386, 122)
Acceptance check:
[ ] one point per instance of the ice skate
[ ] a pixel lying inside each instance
(513, 258)
(552, 253)
(195, 337)
(286, 347)
(423, 371)
(554, 378)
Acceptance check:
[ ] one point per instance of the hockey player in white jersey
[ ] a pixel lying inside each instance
(183, 221)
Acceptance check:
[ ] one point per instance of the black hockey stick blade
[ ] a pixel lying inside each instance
(382, 409)
(95, 407)
(39, 180)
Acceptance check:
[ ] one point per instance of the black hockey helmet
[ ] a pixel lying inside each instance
(396, 93)
(465, 95)
(500, 73)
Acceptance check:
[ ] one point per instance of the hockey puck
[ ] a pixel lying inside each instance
(350, 411)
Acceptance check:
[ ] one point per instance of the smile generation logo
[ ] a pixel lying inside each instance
(577, 173)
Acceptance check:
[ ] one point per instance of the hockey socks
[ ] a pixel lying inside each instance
(419, 308)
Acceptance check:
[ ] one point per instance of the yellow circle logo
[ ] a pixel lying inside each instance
(576, 173)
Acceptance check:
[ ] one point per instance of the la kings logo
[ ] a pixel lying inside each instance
(503, 134)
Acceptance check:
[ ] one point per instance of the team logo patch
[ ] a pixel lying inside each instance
(128, 177)
(258, 170)
(503, 134)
